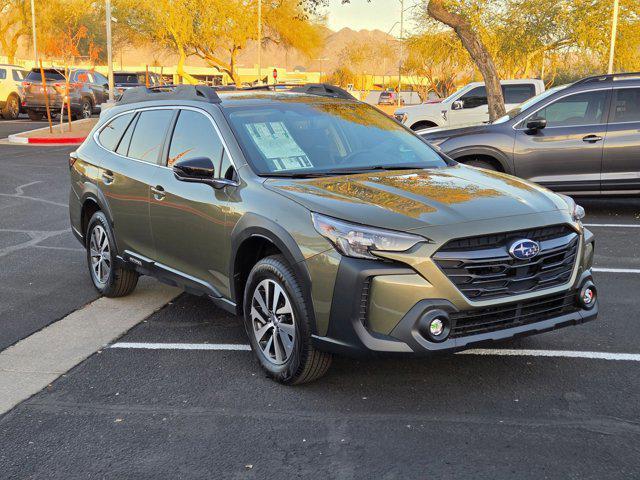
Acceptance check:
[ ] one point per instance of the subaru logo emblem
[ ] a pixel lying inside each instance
(524, 249)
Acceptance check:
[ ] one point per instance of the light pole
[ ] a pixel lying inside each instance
(109, 53)
(614, 31)
(401, 50)
(33, 31)
(259, 41)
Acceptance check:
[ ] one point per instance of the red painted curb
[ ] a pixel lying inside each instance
(66, 140)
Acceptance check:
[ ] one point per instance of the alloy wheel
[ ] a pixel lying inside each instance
(273, 321)
(86, 110)
(13, 107)
(100, 255)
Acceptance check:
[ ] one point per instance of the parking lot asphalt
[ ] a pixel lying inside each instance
(43, 276)
(173, 413)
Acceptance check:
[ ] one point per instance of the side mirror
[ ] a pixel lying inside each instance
(199, 170)
(457, 105)
(535, 124)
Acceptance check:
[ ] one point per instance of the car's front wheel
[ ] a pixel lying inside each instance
(109, 278)
(277, 321)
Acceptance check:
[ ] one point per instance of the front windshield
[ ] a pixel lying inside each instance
(451, 97)
(514, 112)
(325, 137)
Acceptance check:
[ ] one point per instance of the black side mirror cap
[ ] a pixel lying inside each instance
(199, 170)
(536, 124)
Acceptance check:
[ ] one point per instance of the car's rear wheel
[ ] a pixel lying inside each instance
(86, 110)
(109, 278)
(276, 318)
(34, 116)
(11, 109)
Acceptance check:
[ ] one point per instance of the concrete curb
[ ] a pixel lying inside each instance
(17, 138)
(23, 138)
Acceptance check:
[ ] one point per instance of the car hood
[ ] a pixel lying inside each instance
(407, 200)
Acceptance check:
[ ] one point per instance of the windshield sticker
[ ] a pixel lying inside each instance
(278, 146)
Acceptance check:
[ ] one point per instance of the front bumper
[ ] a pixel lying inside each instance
(381, 307)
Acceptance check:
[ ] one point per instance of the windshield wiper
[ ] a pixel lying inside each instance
(344, 171)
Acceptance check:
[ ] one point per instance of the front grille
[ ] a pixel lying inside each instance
(491, 319)
(481, 267)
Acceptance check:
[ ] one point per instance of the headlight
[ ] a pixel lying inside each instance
(577, 212)
(359, 241)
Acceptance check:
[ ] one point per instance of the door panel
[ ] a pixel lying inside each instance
(567, 154)
(188, 219)
(621, 160)
(126, 182)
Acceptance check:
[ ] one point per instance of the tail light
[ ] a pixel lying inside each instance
(26, 85)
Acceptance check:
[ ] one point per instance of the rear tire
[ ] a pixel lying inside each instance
(481, 164)
(280, 337)
(11, 109)
(34, 116)
(108, 277)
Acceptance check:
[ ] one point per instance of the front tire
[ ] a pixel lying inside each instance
(108, 277)
(481, 164)
(276, 318)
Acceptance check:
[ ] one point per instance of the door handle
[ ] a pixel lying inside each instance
(158, 192)
(592, 138)
(107, 177)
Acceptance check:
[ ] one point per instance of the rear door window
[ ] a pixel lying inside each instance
(149, 134)
(518, 93)
(626, 105)
(193, 137)
(111, 134)
(3, 73)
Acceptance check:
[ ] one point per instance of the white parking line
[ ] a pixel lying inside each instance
(616, 270)
(611, 225)
(182, 346)
(629, 357)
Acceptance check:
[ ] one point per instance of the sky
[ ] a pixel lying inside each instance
(360, 14)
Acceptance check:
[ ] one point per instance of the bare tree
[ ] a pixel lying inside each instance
(478, 51)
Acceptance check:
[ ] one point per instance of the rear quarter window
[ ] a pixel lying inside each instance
(111, 134)
(3, 73)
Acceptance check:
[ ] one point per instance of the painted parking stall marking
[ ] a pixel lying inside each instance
(628, 357)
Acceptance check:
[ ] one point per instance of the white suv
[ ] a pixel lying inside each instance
(11, 77)
(466, 106)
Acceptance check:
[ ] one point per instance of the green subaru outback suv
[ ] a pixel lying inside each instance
(326, 225)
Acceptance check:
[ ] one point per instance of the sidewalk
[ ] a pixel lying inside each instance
(41, 136)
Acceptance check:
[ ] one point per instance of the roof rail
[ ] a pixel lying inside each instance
(324, 90)
(200, 93)
(607, 77)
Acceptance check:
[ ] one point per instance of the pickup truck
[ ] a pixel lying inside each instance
(467, 105)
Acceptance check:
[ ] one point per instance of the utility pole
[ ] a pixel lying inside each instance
(401, 50)
(259, 41)
(614, 32)
(109, 55)
(33, 32)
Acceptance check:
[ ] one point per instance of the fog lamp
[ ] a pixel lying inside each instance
(435, 325)
(588, 295)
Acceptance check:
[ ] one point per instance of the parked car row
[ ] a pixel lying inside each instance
(578, 138)
(23, 91)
